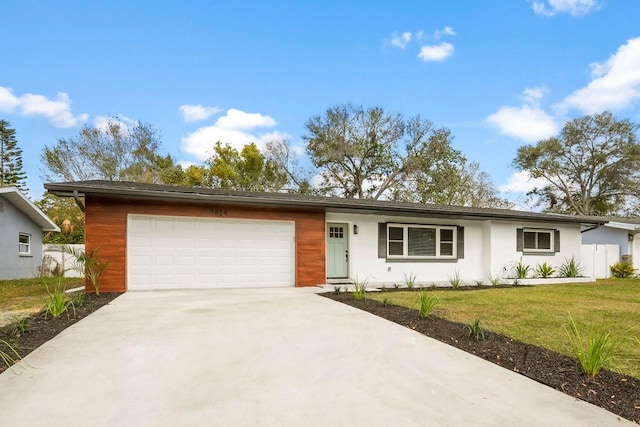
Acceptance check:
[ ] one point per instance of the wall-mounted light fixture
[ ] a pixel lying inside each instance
(355, 229)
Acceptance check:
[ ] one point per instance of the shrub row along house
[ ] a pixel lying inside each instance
(166, 237)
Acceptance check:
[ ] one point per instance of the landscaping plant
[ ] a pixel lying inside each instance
(475, 330)
(427, 303)
(522, 270)
(622, 270)
(410, 280)
(455, 279)
(19, 326)
(387, 302)
(10, 356)
(594, 350)
(359, 289)
(87, 263)
(57, 301)
(494, 279)
(570, 268)
(545, 270)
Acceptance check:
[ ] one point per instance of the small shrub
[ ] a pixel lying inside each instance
(594, 350)
(87, 263)
(426, 303)
(19, 326)
(475, 330)
(522, 270)
(387, 302)
(396, 285)
(359, 289)
(494, 279)
(410, 280)
(545, 270)
(622, 270)
(570, 268)
(479, 283)
(9, 355)
(337, 290)
(455, 279)
(57, 301)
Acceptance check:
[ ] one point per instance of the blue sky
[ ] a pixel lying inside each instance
(499, 74)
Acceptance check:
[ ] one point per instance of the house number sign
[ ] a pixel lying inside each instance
(219, 212)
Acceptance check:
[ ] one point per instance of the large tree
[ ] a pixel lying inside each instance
(367, 153)
(284, 158)
(360, 153)
(67, 215)
(116, 152)
(247, 169)
(11, 172)
(591, 168)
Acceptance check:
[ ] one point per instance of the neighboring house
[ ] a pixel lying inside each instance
(166, 237)
(624, 232)
(21, 227)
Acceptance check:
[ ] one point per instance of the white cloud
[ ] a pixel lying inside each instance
(236, 120)
(615, 84)
(436, 53)
(446, 31)
(528, 122)
(533, 95)
(232, 128)
(521, 182)
(57, 110)
(194, 113)
(572, 7)
(401, 40)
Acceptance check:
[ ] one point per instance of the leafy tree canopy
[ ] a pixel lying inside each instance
(591, 168)
(66, 214)
(11, 172)
(117, 152)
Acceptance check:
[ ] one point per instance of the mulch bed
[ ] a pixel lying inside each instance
(41, 329)
(614, 392)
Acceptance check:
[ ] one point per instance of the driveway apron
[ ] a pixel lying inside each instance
(267, 357)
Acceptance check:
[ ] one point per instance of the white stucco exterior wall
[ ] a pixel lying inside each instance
(505, 256)
(489, 250)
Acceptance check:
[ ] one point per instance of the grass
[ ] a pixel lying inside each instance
(536, 314)
(26, 296)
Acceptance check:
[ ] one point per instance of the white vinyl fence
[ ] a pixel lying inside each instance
(53, 257)
(597, 259)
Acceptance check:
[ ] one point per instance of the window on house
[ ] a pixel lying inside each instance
(538, 240)
(24, 244)
(420, 241)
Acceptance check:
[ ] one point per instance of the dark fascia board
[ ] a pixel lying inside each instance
(139, 191)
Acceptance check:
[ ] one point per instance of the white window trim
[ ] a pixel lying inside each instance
(538, 231)
(405, 241)
(20, 244)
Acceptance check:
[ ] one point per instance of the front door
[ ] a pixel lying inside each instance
(337, 251)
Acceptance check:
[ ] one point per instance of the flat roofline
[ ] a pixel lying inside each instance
(138, 191)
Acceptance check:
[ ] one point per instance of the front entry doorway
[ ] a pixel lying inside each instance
(337, 251)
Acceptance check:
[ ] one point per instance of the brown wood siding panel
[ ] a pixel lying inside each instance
(106, 230)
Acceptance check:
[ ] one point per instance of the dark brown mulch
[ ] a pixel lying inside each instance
(614, 392)
(41, 329)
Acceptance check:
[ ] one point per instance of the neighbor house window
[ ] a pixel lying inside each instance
(24, 244)
(538, 240)
(420, 241)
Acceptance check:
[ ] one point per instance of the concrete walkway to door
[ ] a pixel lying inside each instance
(267, 357)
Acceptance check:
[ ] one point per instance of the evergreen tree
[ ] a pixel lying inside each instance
(11, 173)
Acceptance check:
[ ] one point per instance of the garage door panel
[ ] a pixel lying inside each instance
(180, 252)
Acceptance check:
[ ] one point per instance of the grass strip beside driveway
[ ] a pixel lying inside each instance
(22, 297)
(536, 314)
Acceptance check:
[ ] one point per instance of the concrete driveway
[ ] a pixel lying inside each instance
(267, 357)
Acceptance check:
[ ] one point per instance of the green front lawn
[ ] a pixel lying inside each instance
(536, 314)
(25, 296)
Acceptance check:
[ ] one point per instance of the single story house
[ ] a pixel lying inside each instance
(168, 237)
(21, 227)
(624, 232)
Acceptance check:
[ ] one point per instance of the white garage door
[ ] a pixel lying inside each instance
(179, 252)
